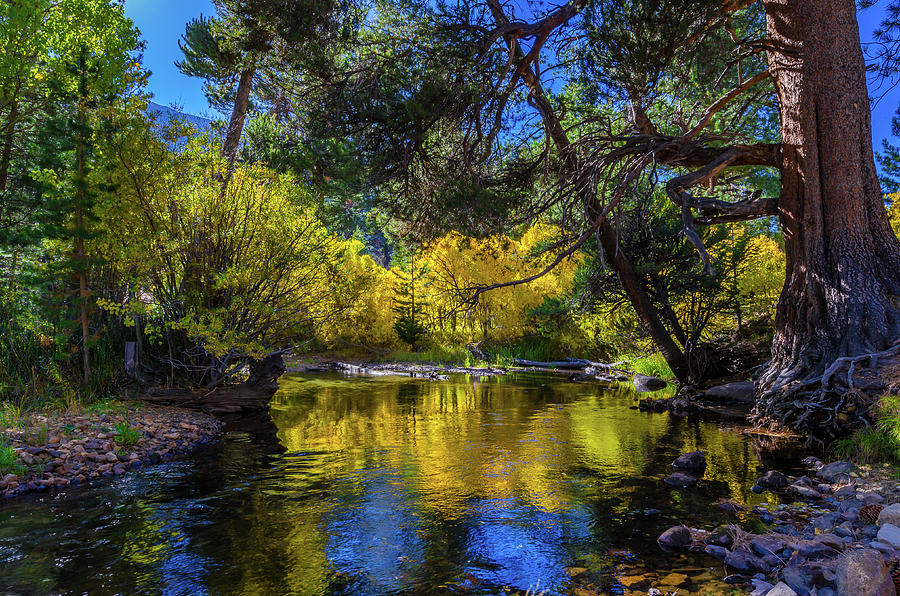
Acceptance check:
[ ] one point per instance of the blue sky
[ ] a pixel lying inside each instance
(162, 22)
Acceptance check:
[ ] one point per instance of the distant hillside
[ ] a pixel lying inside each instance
(164, 114)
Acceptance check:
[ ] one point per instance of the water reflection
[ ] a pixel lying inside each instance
(390, 485)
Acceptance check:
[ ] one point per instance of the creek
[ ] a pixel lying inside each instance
(394, 485)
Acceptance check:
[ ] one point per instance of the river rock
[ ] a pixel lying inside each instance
(693, 462)
(812, 462)
(742, 391)
(861, 572)
(681, 480)
(761, 588)
(645, 384)
(766, 545)
(889, 534)
(745, 561)
(804, 491)
(781, 589)
(836, 471)
(719, 552)
(773, 479)
(676, 537)
(848, 490)
(797, 578)
(826, 521)
(890, 515)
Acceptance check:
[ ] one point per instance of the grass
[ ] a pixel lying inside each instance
(38, 435)
(126, 434)
(877, 443)
(653, 365)
(10, 415)
(9, 462)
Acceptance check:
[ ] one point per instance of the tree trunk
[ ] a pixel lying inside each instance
(841, 297)
(80, 258)
(236, 124)
(637, 294)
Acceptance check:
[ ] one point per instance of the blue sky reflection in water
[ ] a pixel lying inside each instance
(394, 485)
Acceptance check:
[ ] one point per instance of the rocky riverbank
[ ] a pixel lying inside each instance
(836, 532)
(51, 451)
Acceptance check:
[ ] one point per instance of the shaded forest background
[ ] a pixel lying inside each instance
(294, 227)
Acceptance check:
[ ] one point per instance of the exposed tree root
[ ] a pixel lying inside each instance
(832, 404)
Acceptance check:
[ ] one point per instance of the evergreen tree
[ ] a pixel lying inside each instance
(409, 301)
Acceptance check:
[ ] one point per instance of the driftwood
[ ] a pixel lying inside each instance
(354, 369)
(570, 363)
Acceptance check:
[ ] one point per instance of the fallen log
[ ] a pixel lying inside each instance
(571, 363)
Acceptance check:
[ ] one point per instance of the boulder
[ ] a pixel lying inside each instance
(693, 462)
(644, 384)
(890, 515)
(743, 392)
(862, 571)
(836, 471)
(773, 479)
(676, 537)
(681, 480)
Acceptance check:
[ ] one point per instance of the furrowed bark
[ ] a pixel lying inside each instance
(841, 297)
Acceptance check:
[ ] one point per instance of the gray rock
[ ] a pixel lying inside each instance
(746, 562)
(882, 547)
(848, 490)
(870, 497)
(812, 462)
(812, 549)
(826, 591)
(766, 545)
(681, 480)
(676, 537)
(804, 491)
(719, 552)
(761, 588)
(781, 589)
(850, 504)
(773, 479)
(889, 534)
(645, 384)
(890, 515)
(826, 521)
(743, 392)
(693, 462)
(861, 572)
(844, 532)
(836, 471)
(797, 578)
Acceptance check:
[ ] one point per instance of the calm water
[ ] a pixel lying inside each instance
(394, 485)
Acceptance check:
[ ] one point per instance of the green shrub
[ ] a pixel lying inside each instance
(9, 462)
(126, 434)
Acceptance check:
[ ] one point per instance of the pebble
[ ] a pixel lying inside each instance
(70, 460)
